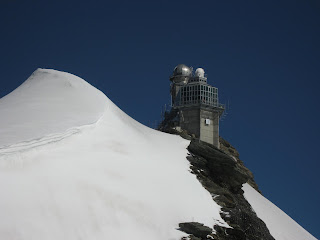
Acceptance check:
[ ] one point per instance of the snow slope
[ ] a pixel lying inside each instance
(280, 225)
(48, 102)
(74, 166)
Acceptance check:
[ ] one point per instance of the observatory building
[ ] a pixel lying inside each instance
(197, 103)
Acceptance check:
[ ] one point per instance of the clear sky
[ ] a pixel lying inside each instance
(264, 56)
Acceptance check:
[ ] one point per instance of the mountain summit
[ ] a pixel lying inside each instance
(48, 102)
(74, 166)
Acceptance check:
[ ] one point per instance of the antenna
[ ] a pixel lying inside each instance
(225, 112)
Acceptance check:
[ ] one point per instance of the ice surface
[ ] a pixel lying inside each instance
(280, 225)
(74, 166)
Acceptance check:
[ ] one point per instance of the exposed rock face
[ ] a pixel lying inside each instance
(198, 230)
(222, 173)
(169, 123)
(220, 167)
(223, 176)
(227, 148)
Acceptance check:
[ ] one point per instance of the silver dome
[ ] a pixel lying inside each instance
(182, 70)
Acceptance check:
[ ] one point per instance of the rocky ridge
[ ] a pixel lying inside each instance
(222, 173)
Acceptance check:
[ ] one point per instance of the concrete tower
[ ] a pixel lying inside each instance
(197, 103)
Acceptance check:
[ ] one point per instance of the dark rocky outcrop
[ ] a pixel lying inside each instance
(198, 230)
(223, 169)
(228, 149)
(169, 124)
(222, 173)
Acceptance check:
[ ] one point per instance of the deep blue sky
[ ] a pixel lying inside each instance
(264, 56)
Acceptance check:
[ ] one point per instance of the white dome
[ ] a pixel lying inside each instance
(199, 72)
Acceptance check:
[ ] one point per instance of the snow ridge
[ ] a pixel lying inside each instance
(47, 104)
(23, 146)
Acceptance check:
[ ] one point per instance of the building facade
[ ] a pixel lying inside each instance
(197, 103)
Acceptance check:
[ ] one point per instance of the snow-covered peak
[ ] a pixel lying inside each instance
(114, 179)
(48, 102)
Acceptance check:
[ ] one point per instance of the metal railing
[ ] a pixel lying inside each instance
(200, 103)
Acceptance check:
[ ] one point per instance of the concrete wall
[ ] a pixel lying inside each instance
(209, 132)
(194, 121)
